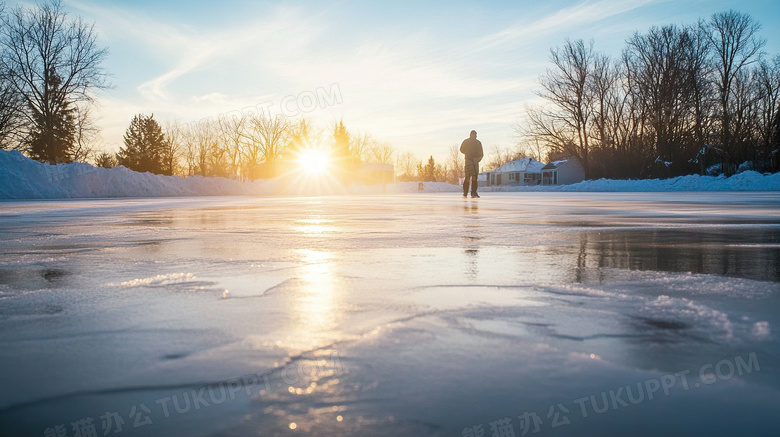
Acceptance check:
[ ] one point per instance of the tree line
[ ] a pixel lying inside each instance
(51, 74)
(679, 100)
(248, 146)
(251, 145)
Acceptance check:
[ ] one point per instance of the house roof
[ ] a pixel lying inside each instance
(555, 164)
(528, 165)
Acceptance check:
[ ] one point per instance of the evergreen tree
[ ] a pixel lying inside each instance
(105, 160)
(144, 148)
(429, 172)
(53, 136)
(341, 142)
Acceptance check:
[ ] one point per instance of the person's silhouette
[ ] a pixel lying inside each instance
(471, 147)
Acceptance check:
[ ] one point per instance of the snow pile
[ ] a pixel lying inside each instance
(23, 178)
(746, 181)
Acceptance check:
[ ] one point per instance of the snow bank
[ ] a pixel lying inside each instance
(746, 181)
(23, 178)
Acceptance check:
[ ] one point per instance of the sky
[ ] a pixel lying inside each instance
(418, 75)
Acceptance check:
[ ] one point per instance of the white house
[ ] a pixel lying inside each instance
(563, 172)
(526, 171)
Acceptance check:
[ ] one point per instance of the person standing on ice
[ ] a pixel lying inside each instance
(471, 147)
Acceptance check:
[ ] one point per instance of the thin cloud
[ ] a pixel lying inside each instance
(189, 50)
(579, 14)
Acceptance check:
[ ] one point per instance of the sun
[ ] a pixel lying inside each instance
(313, 161)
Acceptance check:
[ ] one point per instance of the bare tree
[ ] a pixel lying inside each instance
(455, 164)
(680, 99)
(602, 86)
(215, 148)
(768, 78)
(198, 141)
(10, 107)
(172, 149)
(265, 138)
(663, 65)
(86, 135)
(231, 135)
(406, 166)
(381, 153)
(189, 142)
(735, 44)
(564, 124)
(53, 64)
(499, 156)
(362, 145)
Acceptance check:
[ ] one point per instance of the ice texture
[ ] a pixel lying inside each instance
(377, 315)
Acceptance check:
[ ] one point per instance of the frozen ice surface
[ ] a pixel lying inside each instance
(415, 314)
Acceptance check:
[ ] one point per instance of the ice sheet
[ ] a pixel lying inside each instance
(424, 314)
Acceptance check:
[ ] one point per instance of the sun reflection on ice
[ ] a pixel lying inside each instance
(316, 307)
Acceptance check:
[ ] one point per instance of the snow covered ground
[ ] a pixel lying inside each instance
(22, 178)
(401, 314)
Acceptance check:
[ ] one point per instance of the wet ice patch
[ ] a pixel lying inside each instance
(34, 277)
(453, 297)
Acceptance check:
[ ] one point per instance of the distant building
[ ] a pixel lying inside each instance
(563, 172)
(526, 171)
(374, 173)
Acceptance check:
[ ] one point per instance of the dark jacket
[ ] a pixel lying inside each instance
(472, 148)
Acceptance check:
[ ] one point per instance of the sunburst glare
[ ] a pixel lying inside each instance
(313, 161)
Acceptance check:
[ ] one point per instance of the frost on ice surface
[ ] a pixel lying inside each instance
(761, 330)
(157, 280)
(683, 312)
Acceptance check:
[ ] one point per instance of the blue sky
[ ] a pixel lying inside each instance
(419, 75)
